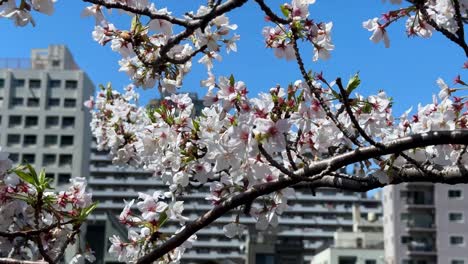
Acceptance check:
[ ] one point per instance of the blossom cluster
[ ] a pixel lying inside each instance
(280, 38)
(441, 12)
(228, 145)
(35, 219)
(20, 13)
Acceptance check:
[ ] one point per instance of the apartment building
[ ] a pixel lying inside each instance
(42, 118)
(425, 223)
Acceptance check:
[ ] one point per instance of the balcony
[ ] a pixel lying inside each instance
(421, 249)
(411, 203)
(420, 227)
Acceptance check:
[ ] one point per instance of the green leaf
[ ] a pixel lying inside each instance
(27, 177)
(353, 83)
(232, 81)
(284, 10)
(87, 211)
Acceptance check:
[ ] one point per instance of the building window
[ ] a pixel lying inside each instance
(370, 261)
(55, 63)
(65, 160)
(31, 121)
(456, 241)
(455, 194)
(55, 83)
(29, 140)
(70, 84)
(14, 157)
(2, 83)
(29, 158)
(50, 176)
(13, 139)
(69, 103)
(457, 261)
(64, 178)
(18, 83)
(33, 102)
(34, 83)
(53, 102)
(66, 141)
(456, 217)
(14, 121)
(68, 122)
(50, 140)
(49, 159)
(52, 121)
(347, 260)
(17, 101)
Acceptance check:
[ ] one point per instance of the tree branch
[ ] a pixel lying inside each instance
(16, 261)
(450, 175)
(273, 17)
(144, 12)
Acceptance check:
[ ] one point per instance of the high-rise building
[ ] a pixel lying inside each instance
(42, 118)
(425, 223)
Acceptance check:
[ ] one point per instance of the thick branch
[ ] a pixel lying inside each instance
(451, 175)
(144, 12)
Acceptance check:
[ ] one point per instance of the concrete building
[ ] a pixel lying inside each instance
(42, 118)
(364, 245)
(425, 223)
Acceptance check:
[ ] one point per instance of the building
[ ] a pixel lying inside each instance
(425, 223)
(42, 118)
(364, 245)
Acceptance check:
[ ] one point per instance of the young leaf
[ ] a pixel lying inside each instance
(353, 83)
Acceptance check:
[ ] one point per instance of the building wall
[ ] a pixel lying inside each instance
(446, 228)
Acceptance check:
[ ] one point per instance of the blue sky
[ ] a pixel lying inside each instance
(407, 71)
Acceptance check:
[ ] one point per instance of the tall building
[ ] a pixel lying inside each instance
(42, 120)
(425, 223)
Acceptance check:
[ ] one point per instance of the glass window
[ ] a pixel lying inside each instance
(14, 157)
(2, 83)
(70, 84)
(456, 240)
(49, 159)
(371, 261)
(55, 83)
(68, 122)
(456, 217)
(14, 121)
(29, 158)
(66, 141)
(31, 121)
(64, 178)
(69, 103)
(34, 83)
(33, 102)
(52, 102)
(17, 101)
(50, 140)
(52, 121)
(18, 82)
(455, 194)
(457, 261)
(55, 63)
(30, 140)
(347, 260)
(65, 160)
(13, 139)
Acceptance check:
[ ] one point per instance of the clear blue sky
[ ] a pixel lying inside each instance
(407, 71)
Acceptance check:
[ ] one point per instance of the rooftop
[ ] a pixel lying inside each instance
(55, 57)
